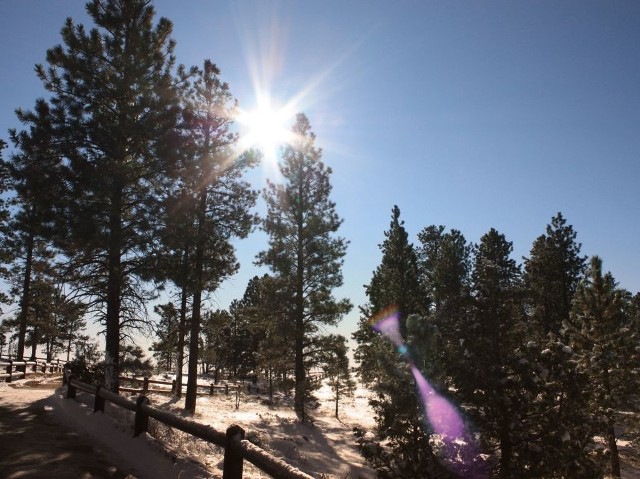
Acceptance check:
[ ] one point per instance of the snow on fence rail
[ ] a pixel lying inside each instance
(236, 448)
(11, 369)
(210, 388)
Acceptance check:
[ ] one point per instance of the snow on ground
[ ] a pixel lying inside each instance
(143, 456)
(324, 446)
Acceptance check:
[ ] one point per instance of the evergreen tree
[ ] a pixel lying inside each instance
(165, 348)
(444, 264)
(113, 116)
(304, 252)
(403, 445)
(32, 171)
(605, 339)
(551, 275)
(270, 340)
(336, 369)
(6, 251)
(242, 342)
(560, 421)
(212, 175)
(71, 321)
(216, 342)
(133, 362)
(491, 339)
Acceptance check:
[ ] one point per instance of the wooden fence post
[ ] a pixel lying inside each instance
(98, 402)
(226, 389)
(233, 459)
(71, 389)
(145, 385)
(10, 370)
(211, 389)
(141, 419)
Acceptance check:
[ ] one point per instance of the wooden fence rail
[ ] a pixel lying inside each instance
(236, 448)
(11, 369)
(210, 388)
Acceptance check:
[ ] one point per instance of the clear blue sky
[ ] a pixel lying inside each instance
(468, 114)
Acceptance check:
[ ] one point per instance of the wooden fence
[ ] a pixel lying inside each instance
(236, 448)
(208, 389)
(11, 369)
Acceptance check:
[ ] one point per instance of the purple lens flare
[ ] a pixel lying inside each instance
(389, 327)
(442, 415)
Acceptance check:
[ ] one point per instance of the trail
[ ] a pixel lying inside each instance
(35, 446)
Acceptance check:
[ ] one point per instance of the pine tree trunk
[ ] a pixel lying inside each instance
(505, 452)
(192, 385)
(114, 288)
(613, 447)
(300, 387)
(299, 393)
(181, 328)
(34, 343)
(26, 298)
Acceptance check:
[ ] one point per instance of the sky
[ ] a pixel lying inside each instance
(473, 115)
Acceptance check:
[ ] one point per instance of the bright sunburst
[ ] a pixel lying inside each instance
(266, 128)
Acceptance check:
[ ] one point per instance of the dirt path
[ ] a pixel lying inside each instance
(35, 446)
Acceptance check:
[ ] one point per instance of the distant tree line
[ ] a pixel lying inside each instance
(127, 179)
(541, 358)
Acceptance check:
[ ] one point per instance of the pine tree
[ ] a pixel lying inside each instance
(222, 201)
(165, 348)
(32, 171)
(551, 275)
(444, 264)
(265, 311)
(304, 252)
(336, 369)
(605, 337)
(216, 337)
(403, 445)
(491, 339)
(559, 420)
(6, 251)
(113, 116)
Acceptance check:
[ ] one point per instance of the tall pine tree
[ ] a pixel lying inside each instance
(493, 334)
(604, 337)
(217, 198)
(113, 115)
(403, 446)
(551, 275)
(304, 251)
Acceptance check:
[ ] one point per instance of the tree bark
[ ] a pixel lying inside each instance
(192, 386)
(114, 288)
(182, 325)
(613, 447)
(505, 453)
(26, 298)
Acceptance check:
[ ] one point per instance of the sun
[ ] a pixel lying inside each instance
(266, 128)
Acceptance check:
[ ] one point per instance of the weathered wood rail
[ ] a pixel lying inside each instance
(236, 448)
(11, 369)
(208, 389)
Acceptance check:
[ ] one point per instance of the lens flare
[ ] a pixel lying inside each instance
(444, 419)
(442, 415)
(389, 327)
